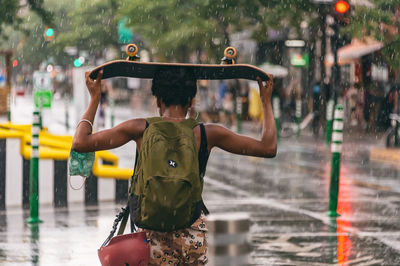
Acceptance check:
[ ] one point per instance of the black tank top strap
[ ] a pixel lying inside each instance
(203, 151)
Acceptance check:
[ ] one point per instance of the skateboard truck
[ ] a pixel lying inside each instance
(229, 56)
(131, 50)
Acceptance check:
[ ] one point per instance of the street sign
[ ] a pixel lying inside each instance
(42, 85)
(42, 98)
(295, 43)
(299, 60)
(42, 81)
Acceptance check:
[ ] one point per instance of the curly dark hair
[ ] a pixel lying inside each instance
(174, 86)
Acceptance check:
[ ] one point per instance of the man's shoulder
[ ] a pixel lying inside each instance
(135, 127)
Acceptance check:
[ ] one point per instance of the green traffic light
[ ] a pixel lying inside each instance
(77, 63)
(49, 32)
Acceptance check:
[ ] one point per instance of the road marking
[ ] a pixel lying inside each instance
(318, 216)
(269, 202)
(282, 244)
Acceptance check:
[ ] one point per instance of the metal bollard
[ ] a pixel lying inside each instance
(298, 116)
(3, 154)
(277, 114)
(397, 134)
(239, 114)
(34, 171)
(329, 117)
(228, 239)
(336, 149)
(112, 117)
(66, 102)
(9, 107)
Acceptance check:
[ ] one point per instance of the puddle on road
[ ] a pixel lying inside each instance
(66, 237)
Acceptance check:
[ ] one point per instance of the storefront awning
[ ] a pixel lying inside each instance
(357, 49)
(351, 52)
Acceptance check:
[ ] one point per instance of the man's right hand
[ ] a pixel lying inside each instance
(266, 89)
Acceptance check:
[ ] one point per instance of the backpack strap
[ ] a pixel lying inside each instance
(203, 151)
(124, 220)
(125, 217)
(151, 120)
(203, 157)
(137, 152)
(190, 122)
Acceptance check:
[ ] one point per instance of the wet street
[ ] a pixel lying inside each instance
(288, 201)
(285, 197)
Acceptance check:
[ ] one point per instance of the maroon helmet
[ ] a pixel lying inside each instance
(126, 250)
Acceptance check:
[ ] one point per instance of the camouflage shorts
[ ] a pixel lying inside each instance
(182, 247)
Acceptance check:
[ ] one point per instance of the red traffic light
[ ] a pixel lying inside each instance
(341, 7)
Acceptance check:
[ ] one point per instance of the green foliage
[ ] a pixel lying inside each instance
(175, 28)
(93, 26)
(9, 13)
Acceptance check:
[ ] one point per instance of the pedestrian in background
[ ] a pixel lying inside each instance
(316, 108)
(222, 90)
(202, 101)
(106, 93)
(255, 108)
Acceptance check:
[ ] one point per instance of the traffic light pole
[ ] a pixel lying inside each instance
(335, 68)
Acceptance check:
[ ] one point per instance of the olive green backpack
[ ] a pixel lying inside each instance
(166, 186)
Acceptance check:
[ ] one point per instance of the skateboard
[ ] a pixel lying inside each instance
(146, 70)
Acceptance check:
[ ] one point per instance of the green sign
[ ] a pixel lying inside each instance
(42, 98)
(125, 35)
(300, 60)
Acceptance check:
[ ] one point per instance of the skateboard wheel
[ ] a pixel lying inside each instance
(230, 52)
(131, 50)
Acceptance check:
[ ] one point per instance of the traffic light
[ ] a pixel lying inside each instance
(342, 7)
(342, 12)
(78, 62)
(48, 34)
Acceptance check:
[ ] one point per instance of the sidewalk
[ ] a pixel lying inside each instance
(388, 155)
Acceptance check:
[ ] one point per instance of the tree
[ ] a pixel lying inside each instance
(9, 13)
(173, 29)
(93, 26)
(29, 44)
(88, 26)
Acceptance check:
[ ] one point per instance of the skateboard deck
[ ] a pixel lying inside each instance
(145, 70)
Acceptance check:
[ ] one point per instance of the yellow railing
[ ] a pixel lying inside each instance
(58, 148)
